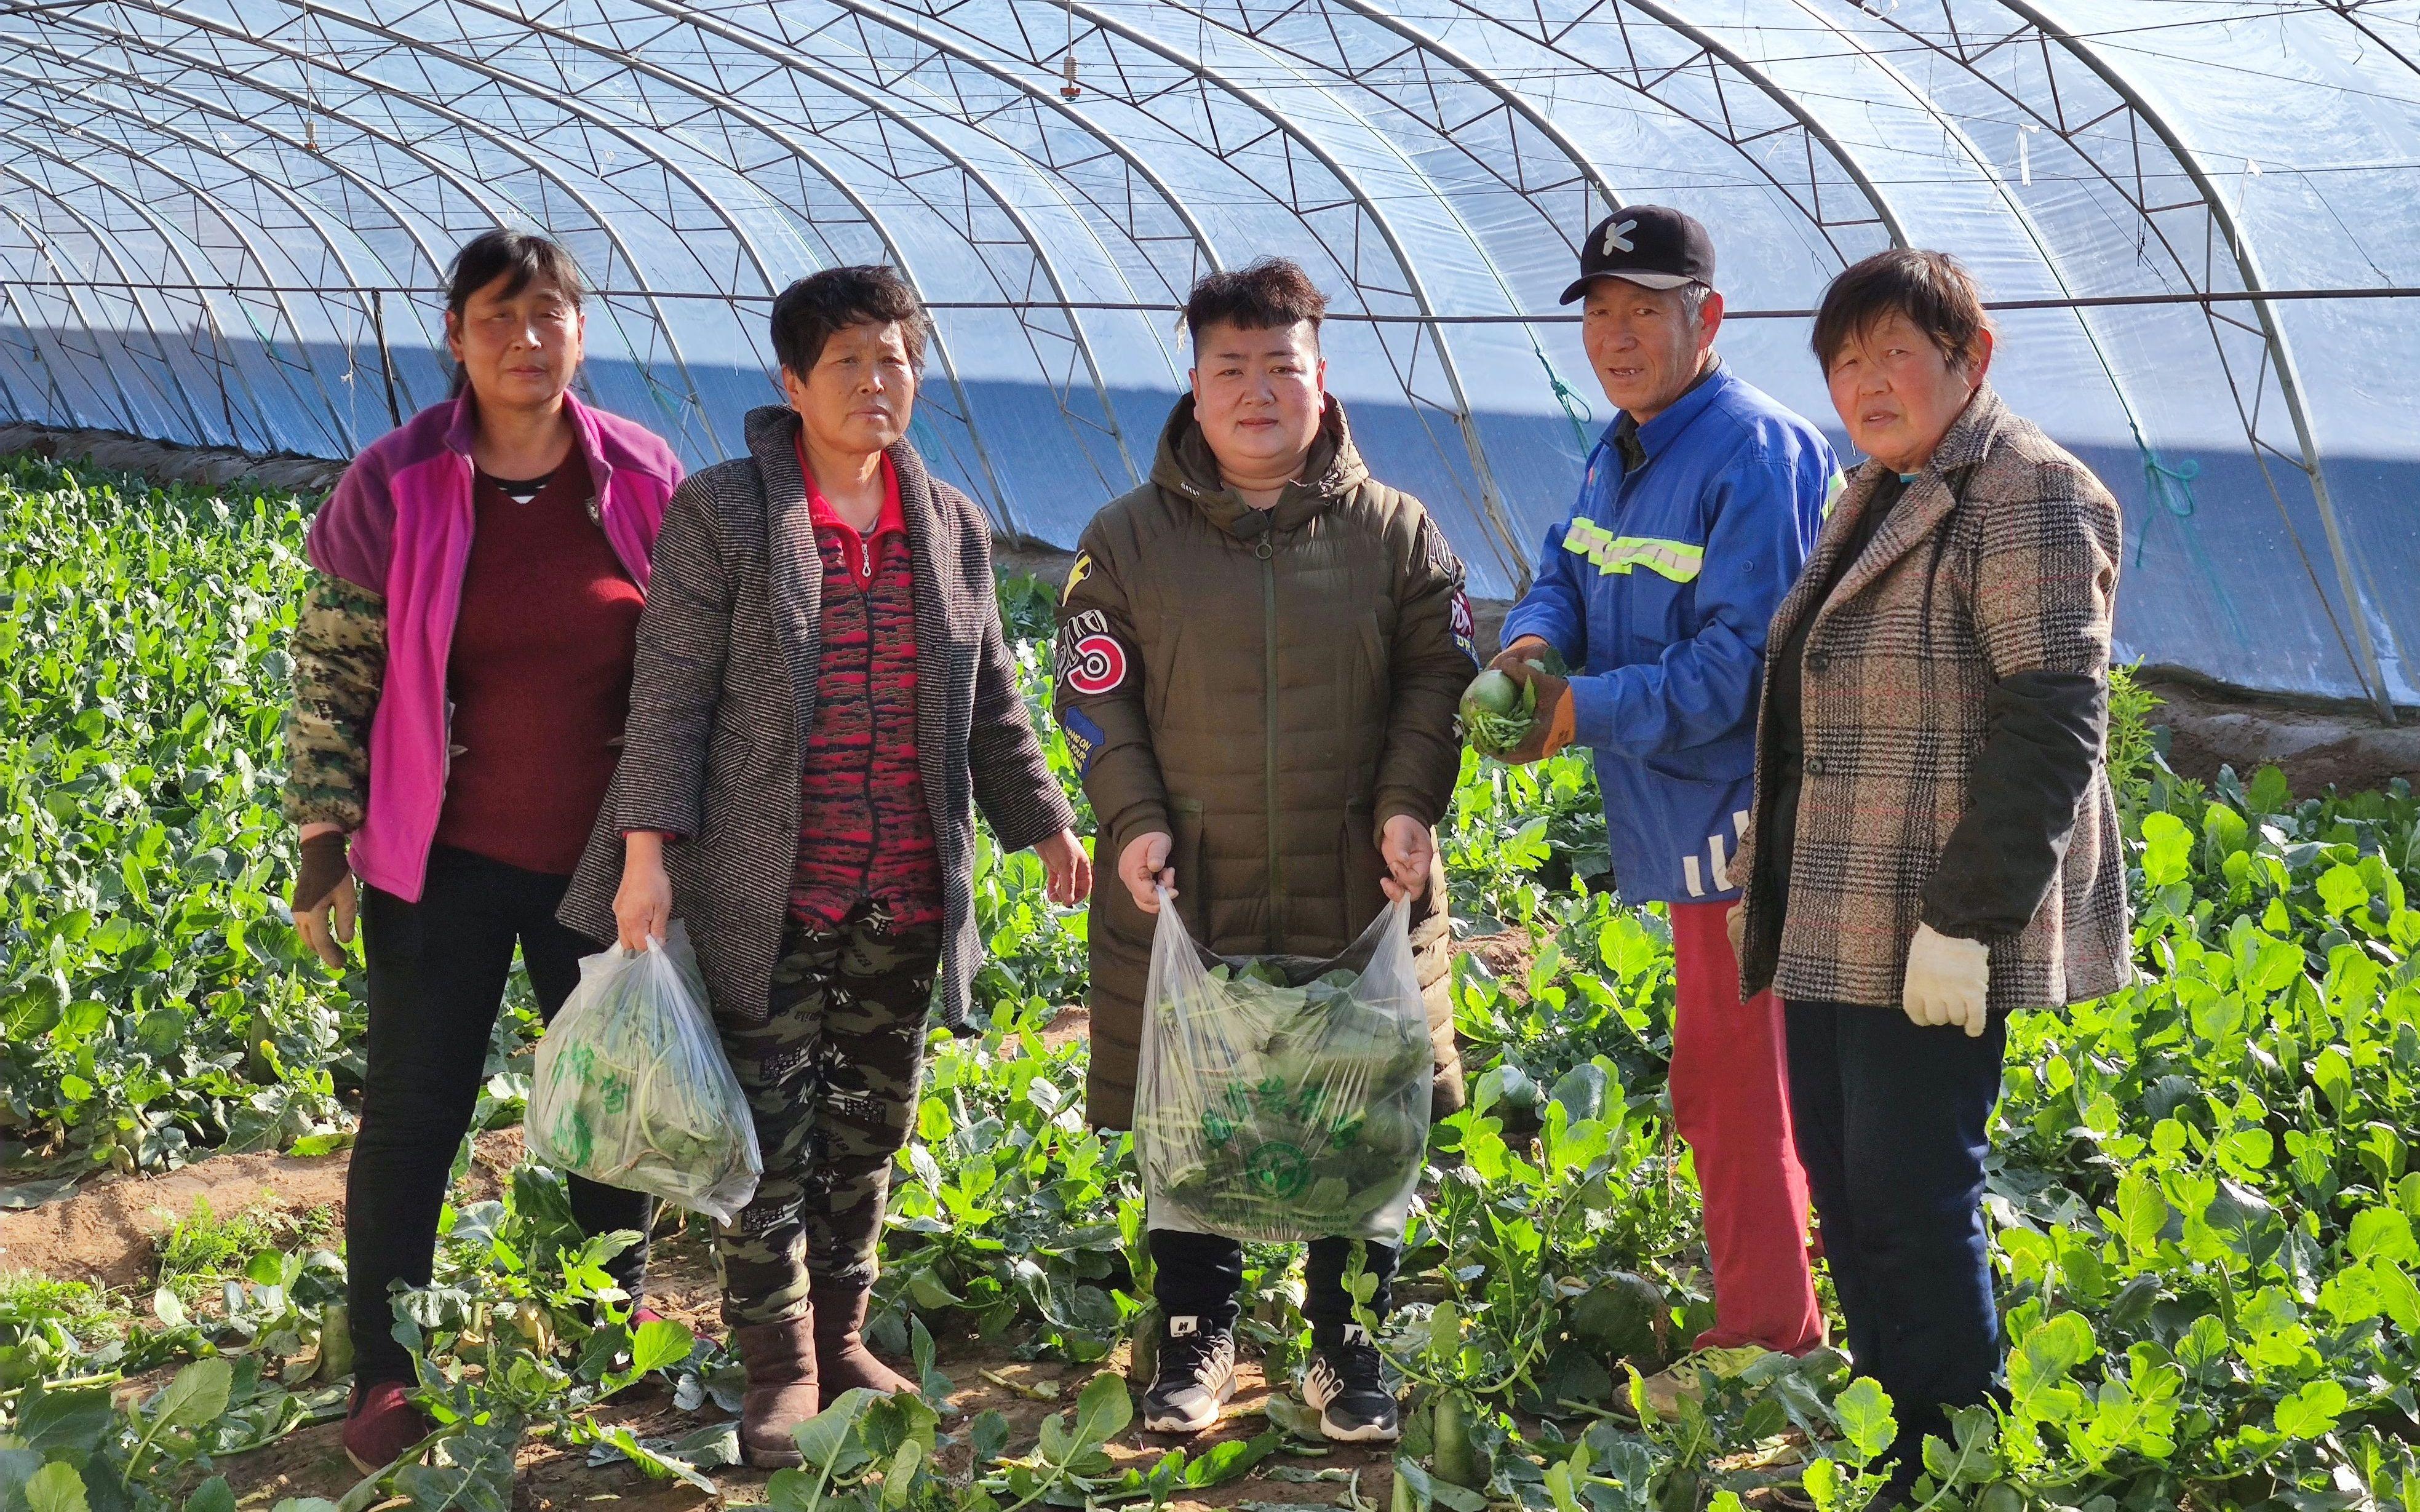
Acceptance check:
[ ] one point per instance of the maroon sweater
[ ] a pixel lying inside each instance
(539, 676)
(866, 835)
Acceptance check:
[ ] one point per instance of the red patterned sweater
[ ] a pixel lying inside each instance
(866, 835)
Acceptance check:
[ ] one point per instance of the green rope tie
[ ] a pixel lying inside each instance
(2169, 489)
(1576, 408)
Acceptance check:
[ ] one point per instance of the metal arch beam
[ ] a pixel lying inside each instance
(1516, 557)
(2350, 12)
(137, 86)
(1491, 500)
(470, 124)
(8, 391)
(473, 125)
(294, 199)
(342, 432)
(43, 244)
(777, 132)
(561, 101)
(46, 242)
(2017, 211)
(497, 211)
(1754, 73)
(2247, 263)
(136, 83)
(1481, 75)
(884, 16)
(2058, 124)
(58, 396)
(790, 57)
(106, 241)
(596, 119)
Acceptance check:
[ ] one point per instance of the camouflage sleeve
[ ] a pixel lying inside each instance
(339, 654)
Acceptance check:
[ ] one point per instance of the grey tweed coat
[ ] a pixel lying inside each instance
(723, 698)
(2001, 558)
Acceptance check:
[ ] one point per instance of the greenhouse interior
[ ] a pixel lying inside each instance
(540, 972)
(227, 222)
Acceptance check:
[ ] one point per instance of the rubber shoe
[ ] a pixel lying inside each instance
(1197, 1375)
(381, 1424)
(1347, 1387)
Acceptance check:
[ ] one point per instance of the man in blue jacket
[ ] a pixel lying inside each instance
(1700, 504)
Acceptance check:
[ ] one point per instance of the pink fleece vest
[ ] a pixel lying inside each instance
(399, 524)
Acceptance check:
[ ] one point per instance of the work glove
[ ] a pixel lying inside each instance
(1947, 980)
(1551, 721)
(1527, 649)
(1552, 724)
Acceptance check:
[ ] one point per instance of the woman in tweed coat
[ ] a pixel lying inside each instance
(823, 698)
(1933, 843)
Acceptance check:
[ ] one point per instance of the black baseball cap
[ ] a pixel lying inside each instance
(1653, 245)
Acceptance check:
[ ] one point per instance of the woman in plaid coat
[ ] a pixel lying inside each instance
(1933, 843)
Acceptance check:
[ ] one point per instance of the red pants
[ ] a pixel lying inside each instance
(1730, 1101)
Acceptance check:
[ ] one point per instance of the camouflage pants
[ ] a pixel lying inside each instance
(832, 1078)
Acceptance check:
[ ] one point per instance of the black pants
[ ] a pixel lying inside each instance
(1197, 1275)
(437, 973)
(1893, 1120)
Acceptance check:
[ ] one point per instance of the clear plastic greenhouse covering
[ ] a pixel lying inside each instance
(225, 222)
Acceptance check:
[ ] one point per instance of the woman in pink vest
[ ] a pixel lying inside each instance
(461, 675)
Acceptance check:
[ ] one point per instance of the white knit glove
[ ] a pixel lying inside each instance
(1947, 980)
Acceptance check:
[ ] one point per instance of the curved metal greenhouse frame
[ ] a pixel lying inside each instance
(225, 223)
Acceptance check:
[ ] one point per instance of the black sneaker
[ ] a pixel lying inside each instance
(1197, 1375)
(1346, 1387)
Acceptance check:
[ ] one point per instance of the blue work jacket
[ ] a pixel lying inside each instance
(1658, 591)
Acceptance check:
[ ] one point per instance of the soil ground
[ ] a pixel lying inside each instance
(106, 1235)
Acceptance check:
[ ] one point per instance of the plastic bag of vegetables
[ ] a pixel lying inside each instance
(633, 1087)
(1282, 1098)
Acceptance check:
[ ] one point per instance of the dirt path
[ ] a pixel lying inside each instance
(312, 1463)
(106, 1235)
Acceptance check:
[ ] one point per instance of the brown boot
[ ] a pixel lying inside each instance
(842, 1359)
(781, 1395)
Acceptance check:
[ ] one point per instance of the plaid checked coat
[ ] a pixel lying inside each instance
(724, 697)
(2000, 558)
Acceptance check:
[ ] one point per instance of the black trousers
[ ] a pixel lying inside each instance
(437, 973)
(1893, 1120)
(1197, 1275)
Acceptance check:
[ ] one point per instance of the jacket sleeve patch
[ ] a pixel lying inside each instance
(1081, 570)
(1465, 627)
(1088, 657)
(1084, 739)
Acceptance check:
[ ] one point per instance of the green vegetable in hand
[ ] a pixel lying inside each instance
(1492, 692)
(1496, 711)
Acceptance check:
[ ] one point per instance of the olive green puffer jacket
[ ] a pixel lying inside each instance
(1267, 688)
